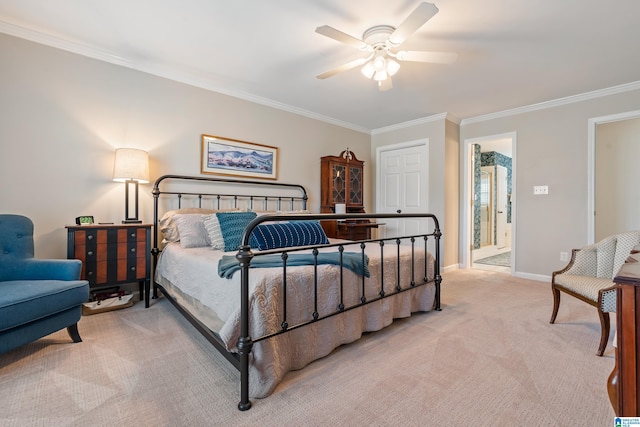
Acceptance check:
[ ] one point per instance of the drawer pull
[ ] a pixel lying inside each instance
(90, 237)
(89, 273)
(133, 249)
(133, 234)
(90, 253)
(133, 269)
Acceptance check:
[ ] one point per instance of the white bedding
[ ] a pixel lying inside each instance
(191, 276)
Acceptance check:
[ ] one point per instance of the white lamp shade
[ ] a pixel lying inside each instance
(368, 70)
(392, 67)
(131, 163)
(380, 75)
(379, 63)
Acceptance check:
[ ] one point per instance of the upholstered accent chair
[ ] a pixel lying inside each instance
(589, 277)
(37, 296)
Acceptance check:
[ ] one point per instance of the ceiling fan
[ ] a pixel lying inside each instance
(380, 43)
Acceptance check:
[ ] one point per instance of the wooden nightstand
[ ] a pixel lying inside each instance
(112, 254)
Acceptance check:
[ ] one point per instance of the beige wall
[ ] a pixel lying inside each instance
(552, 149)
(63, 115)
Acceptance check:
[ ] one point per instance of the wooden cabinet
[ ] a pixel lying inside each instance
(112, 254)
(341, 180)
(624, 380)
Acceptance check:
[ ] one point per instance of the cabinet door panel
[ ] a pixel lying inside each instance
(355, 186)
(339, 187)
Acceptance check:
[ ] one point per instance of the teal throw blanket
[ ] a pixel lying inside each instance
(228, 265)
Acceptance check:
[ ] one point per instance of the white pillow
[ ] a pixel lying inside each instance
(168, 226)
(212, 227)
(192, 231)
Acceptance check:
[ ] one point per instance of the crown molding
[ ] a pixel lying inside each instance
(416, 122)
(163, 71)
(208, 84)
(627, 87)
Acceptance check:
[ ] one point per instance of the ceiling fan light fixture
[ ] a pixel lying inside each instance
(380, 41)
(380, 75)
(392, 66)
(368, 70)
(379, 63)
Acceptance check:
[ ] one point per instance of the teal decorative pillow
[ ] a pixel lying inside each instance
(285, 235)
(232, 224)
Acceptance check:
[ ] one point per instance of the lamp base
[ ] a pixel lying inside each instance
(131, 221)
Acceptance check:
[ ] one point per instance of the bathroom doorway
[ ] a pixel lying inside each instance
(490, 214)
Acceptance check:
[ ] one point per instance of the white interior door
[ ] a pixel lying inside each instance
(402, 178)
(501, 207)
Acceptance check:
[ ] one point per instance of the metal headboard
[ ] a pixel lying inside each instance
(260, 198)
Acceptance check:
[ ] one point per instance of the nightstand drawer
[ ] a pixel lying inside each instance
(102, 272)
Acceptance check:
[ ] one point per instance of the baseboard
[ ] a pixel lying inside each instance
(450, 268)
(530, 276)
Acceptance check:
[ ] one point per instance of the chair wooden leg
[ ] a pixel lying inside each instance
(604, 325)
(73, 333)
(556, 303)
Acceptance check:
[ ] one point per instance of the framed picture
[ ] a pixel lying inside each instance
(233, 157)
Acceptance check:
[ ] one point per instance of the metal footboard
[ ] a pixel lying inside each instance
(245, 255)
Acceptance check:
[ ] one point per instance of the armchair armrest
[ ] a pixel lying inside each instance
(607, 299)
(42, 269)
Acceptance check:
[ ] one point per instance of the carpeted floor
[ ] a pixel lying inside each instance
(489, 358)
(503, 260)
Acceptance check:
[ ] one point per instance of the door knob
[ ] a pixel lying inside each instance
(399, 211)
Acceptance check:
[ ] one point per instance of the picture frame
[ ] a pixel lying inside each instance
(226, 156)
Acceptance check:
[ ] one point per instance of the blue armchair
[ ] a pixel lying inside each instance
(37, 296)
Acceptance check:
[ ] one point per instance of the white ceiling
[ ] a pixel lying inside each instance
(511, 53)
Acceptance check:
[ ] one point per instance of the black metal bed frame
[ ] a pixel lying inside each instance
(244, 256)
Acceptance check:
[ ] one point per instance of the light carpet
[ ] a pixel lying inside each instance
(489, 358)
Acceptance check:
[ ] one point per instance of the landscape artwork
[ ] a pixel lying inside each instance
(233, 157)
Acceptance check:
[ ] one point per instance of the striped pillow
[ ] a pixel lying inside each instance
(285, 235)
(232, 224)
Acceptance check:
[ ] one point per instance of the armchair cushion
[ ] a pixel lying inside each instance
(26, 301)
(587, 286)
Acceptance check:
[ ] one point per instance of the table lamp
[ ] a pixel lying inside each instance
(131, 166)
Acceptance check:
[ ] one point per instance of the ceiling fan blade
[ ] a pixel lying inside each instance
(338, 35)
(415, 20)
(386, 84)
(340, 69)
(433, 57)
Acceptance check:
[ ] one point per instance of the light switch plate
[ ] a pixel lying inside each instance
(540, 189)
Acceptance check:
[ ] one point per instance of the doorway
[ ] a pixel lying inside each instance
(617, 150)
(489, 214)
